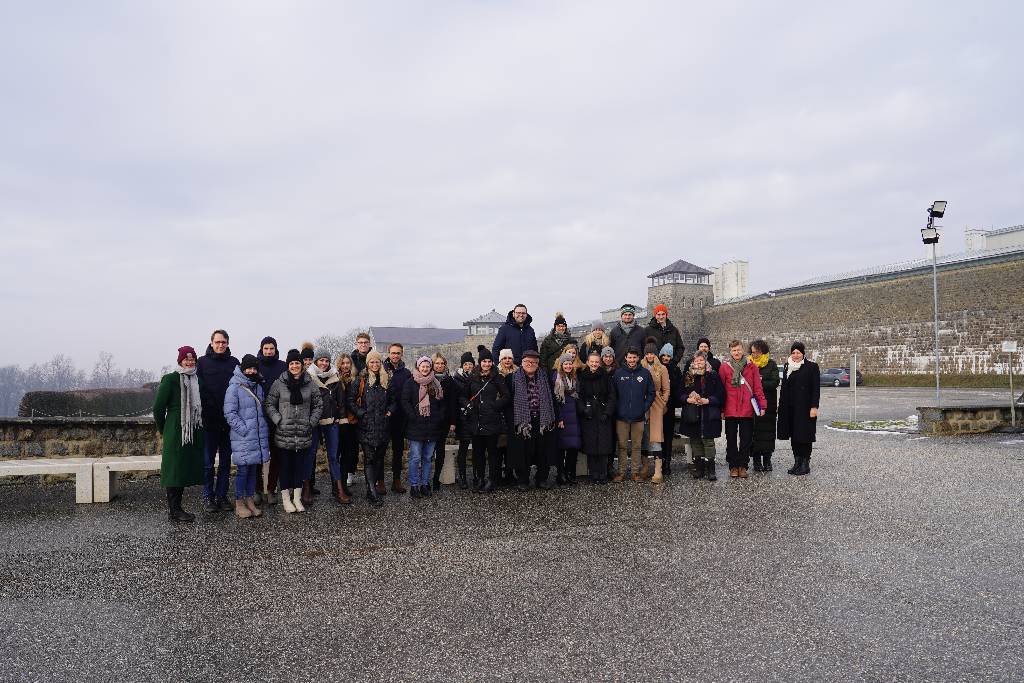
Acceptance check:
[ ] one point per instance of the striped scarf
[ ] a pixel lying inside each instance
(521, 406)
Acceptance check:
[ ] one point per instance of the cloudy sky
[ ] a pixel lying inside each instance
(296, 168)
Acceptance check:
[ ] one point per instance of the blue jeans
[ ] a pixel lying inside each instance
(329, 433)
(245, 481)
(421, 457)
(218, 438)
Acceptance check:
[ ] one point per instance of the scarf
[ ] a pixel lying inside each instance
(760, 362)
(429, 386)
(295, 389)
(627, 328)
(565, 386)
(322, 379)
(793, 367)
(191, 404)
(737, 371)
(521, 407)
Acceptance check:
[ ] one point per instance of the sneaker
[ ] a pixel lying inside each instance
(352, 481)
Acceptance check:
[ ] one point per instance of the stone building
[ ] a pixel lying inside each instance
(730, 280)
(483, 329)
(983, 240)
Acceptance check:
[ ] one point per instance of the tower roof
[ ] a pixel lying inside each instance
(681, 266)
(492, 317)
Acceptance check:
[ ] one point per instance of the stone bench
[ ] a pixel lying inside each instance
(967, 419)
(105, 473)
(80, 467)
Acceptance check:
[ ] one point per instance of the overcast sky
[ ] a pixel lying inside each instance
(297, 168)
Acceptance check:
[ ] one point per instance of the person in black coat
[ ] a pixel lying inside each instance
(516, 333)
(626, 334)
(483, 406)
(215, 371)
(270, 368)
(399, 375)
(664, 332)
(372, 401)
(675, 380)
(450, 426)
(764, 425)
(461, 377)
(798, 407)
(596, 407)
(703, 398)
(424, 404)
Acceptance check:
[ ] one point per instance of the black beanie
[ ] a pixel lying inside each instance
(704, 340)
(293, 354)
(467, 357)
(483, 353)
(307, 352)
(560, 320)
(268, 340)
(651, 346)
(249, 361)
(798, 346)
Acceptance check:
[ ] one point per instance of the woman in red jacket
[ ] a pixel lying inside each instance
(742, 380)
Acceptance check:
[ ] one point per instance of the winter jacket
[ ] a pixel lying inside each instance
(461, 382)
(622, 342)
(293, 424)
(567, 412)
(764, 427)
(484, 415)
(590, 344)
(270, 367)
(662, 392)
(181, 465)
(216, 370)
(518, 339)
(675, 387)
(737, 399)
(634, 393)
(418, 427)
(358, 361)
(709, 386)
(399, 376)
(801, 391)
(666, 335)
(451, 410)
(243, 411)
(371, 404)
(597, 411)
(551, 349)
(331, 394)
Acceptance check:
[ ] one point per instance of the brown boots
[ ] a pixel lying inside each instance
(339, 492)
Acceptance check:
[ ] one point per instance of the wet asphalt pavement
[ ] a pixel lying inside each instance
(898, 558)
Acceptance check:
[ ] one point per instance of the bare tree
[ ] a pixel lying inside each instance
(338, 343)
(105, 374)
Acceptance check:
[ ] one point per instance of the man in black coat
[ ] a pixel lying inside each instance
(363, 347)
(270, 367)
(516, 333)
(395, 367)
(626, 334)
(215, 370)
(664, 332)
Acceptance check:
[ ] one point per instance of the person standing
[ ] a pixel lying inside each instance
(702, 414)
(704, 346)
(451, 415)
(626, 334)
(506, 368)
(664, 332)
(215, 370)
(634, 391)
(270, 368)
(597, 341)
(327, 380)
(178, 414)
(656, 415)
(399, 375)
(764, 425)
(516, 333)
(424, 406)
(250, 433)
(556, 340)
(567, 396)
(359, 353)
(461, 379)
(596, 409)
(742, 382)
(531, 435)
(293, 406)
(483, 403)
(610, 365)
(372, 402)
(348, 433)
(675, 388)
(798, 407)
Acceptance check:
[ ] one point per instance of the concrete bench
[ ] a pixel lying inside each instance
(105, 473)
(80, 467)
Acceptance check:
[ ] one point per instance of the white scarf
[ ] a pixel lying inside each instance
(191, 405)
(321, 378)
(793, 367)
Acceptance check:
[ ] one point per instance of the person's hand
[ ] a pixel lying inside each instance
(451, 428)
(561, 424)
(387, 414)
(704, 401)
(814, 413)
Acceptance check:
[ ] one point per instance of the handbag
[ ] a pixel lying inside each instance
(691, 413)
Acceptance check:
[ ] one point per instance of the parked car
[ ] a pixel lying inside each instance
(839, 377)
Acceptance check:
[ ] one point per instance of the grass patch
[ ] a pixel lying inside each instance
(908, 424)
(986, 381)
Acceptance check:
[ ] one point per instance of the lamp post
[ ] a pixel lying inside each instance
(930, 235)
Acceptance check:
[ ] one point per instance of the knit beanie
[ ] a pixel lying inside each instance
(659, 308)
(249, 361)
(666, 350)
(608, 351)
(307, 351)
(505, 353)
(650, 346)
(564, 358)
(185, 351)
(322, 353)
(704, 340)
(293, 355)
(560, 319)
(627, 308)
(597, 326)
(467, 357)
(483, 353)
(424, 358)
(798, 346)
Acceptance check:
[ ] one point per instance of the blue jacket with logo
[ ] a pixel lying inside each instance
(635, 393)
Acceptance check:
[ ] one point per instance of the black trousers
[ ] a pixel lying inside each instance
(668, 426)
(567, 461)
(374, 455)
(460, 458)
(539, 449)
(802, 450)
(397, 449)
(738, 455)
(291, 468)
(598, 467)
(485, 453)
(348, 448)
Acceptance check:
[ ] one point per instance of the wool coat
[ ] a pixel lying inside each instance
(662, 391)
(596, 409)
(179, 465)
(708, 385)
(293, 424)
(485, 414)
(666, 335)
(567, 412)
(801, 391)
(764, 426)
(551, 349)
(419, 427)
(250, 429)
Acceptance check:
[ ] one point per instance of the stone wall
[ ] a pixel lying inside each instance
(686, 307)
(967, 420)
(67, 437)
(889, 323)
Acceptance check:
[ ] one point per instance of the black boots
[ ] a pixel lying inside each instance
(174, 511)
(801, 465)
(460, 479)
(766, 462)
(371, 485)
(437, 479)
(709, 469)
(757, 463)
(698, 468)
(666, 463)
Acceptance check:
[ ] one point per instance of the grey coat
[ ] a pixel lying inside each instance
(293, 425)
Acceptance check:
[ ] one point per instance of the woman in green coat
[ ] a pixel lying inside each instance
(764, 426)
(178, 413)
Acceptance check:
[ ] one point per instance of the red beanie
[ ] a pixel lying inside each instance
(661, 307)
(185, 351)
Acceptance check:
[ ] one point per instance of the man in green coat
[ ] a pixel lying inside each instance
(178, 413)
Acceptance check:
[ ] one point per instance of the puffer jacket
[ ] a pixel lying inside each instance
(331, 393)
(293, 424)
(243, 411)
(737, 399)
(512, 336)
(634, 391)
(371, 403)
(418, 427)
(485, 415)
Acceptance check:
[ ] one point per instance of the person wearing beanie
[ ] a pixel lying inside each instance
(307, 354)
(664, 332)
(270, 368)
(178, 414)
(743, 391)
(609, 364)
(424, 405)
(461, 378)
(482, 353)
(763, 445)
(482, 404)
(704, 346)
(516, 333)
(565, 384)
(596, 341)
(675, 388)
(399, 375)
(250, 433)
(215, 370)
(626, 334)
(553, 344)
(532, 437)
(798, 407)
(656, 415)
(327, 380)
(372, 402)
(294, 407)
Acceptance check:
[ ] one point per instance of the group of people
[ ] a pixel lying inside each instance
(525, 412)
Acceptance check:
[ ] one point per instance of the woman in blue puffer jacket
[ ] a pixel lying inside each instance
(250, 433)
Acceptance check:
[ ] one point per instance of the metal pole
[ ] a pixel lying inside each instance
(853, 382)
(935, 296)
(1013, 398)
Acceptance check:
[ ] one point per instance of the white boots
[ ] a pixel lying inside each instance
(286, 500)
(297, 500)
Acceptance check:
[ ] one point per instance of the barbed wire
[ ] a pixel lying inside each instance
(85, 413)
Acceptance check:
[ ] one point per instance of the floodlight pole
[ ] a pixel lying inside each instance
(935, 302)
